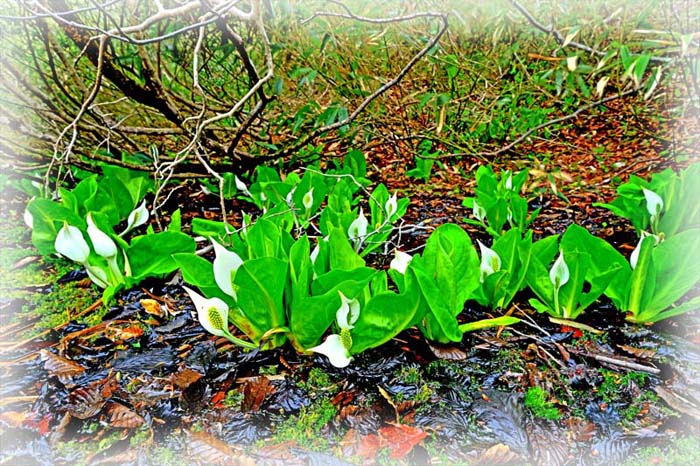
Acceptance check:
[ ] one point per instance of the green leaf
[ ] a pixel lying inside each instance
(259, 285)
(199, 272)
(151, 255)
(447, 274)
(677, 269)
(300, 270)
(488, 323)
(341, 253)
(175, 221)
(311, 317)
(48, 218)
(207, 228)
(383, 317)
(264, 240)
(642, 280)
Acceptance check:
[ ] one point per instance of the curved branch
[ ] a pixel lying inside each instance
(388, 85)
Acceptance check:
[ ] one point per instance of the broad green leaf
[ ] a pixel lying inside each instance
(259, 285)
(570, 292)
(300, 270)
(447, 274)
(151, 255)
(642, 280)
(311, 317)
(175, 221)
(264, 239)
(341, 254)
(653, 316)
(48, 218)
(677, 269)
(198, 272)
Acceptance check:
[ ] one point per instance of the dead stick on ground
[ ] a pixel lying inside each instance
(619, 362)
(91, 308)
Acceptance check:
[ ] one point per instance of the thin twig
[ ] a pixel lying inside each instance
(561, 40)
(554, 121)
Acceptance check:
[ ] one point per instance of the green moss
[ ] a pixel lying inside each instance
(317, 379)
(167, 457)
(32, 288)
(610, 388)
(536, 401)
(233, 399)
(683, 452)
(304, 427)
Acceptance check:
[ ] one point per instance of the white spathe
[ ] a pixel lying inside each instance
(212, 313)
(71, 244)
(101, 242)
(490, 261)
(308, 199)
(391, 206)
(137, 217)
(348, 312)
(334, 350)
(358, 229)
(559, 274)
(28, 219)
(634, 257)
(400, 261)
(226, 263)
(654, 203)
(97, 275)
(335, 347)
(241, 186)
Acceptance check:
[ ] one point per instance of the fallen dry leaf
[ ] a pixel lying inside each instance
(185, 377)
(401, 439)
(153, 307)
(61, 367)
(208, 449)
(122, 417)
(254, 392)
(497, 454)
(449, 353)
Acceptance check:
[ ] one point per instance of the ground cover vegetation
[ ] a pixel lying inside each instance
(372, 210)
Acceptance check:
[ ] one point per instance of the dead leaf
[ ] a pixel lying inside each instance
(254, 392)
(60, 367)
(449, 353)
(86, 402)
(14, 419)
(641, 353)
(369, 446)
(153, 307)
(401, 439)
(185, 377)
(497, 454)
(343, 398)
(123, 334)
(211, 450)
(122, 417)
